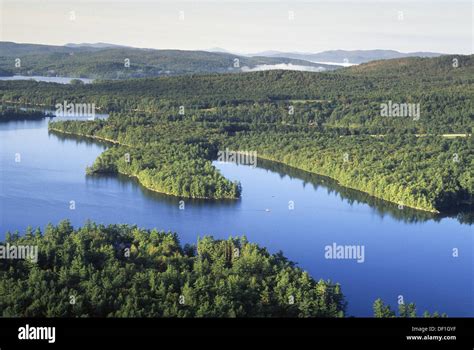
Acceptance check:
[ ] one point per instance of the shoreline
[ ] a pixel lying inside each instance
(88, 136)
(131, 175)
(432, 211)
(135, 177)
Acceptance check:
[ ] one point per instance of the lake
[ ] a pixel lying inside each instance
(406, 253)
(60, 80)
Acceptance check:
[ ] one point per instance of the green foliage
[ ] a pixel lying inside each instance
(426, 172)
(125, 271)
(162, 161)
(179, 170)
(381, 310)
(415, 163)
(430, 173)
(343, 98)
(9, 113)
(76, 82)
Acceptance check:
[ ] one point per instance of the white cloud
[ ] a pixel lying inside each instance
(338, 63)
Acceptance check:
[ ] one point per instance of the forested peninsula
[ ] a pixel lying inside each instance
(126, 271)
(169, 130)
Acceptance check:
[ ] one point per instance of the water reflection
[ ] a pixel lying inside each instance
(463, 214)
(124, 183)
(79, 140)
(407, 252)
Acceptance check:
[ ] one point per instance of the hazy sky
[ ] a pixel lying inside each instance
(245, 26)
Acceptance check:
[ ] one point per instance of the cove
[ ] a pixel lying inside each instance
(406, 252)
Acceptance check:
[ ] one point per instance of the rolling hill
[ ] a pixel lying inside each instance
(348, 56)
(101, 61)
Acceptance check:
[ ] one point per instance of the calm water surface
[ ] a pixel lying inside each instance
(407, 253)
(60, 80)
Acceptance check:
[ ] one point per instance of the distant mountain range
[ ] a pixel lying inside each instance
(111, 61)
(94, 45)
(347, 56)
(108, 61)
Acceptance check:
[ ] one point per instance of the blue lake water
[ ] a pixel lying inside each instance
(407, 253)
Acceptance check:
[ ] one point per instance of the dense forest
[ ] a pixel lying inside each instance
(167, 131)
(125, 271)
(9, 113)
(182, 170)
(348, 98)
(163, 159)
(120, 62)
(326, 123)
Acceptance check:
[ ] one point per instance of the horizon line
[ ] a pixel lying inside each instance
(226, 51)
